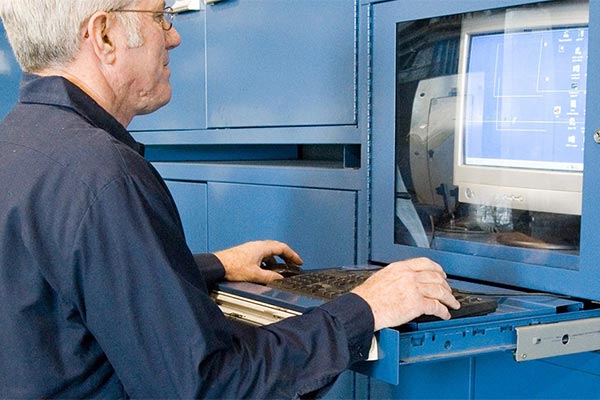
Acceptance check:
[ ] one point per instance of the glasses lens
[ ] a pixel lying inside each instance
(168, 17)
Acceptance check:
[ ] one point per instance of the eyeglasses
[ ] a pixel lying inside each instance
(164, 17)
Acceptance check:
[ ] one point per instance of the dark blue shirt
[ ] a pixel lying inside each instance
(99, 294)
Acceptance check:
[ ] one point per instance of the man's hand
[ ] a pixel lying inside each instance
(405, 290)
(242, 263)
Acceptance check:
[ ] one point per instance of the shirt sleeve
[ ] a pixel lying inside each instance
(211, 268)
(145, 301)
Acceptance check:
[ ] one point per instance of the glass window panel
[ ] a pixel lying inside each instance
(490, 117)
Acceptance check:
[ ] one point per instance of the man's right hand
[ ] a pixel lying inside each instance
(404, 290)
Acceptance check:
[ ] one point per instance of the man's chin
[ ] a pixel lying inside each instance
(153, 107)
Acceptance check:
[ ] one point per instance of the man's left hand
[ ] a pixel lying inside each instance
(242, 263)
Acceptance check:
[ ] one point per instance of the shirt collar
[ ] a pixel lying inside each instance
(56, 90)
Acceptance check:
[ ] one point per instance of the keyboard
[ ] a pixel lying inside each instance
(330, 283)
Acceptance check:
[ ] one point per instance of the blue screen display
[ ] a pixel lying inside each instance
(525, 99)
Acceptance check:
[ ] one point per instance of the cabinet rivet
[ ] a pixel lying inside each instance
(597, 136)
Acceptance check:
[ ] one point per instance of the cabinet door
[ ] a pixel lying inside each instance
(280, 63)
(190, 199)
(261, 63)
(319, 224)
(574, 376)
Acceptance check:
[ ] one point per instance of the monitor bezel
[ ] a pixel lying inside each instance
(525, 189)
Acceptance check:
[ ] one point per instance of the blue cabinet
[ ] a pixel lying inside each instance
(262, 64)
(474, 374)
(484, 256)
(296, 69)
(576, 376)
(318, 223)
(495, 376)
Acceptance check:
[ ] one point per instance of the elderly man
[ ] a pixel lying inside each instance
(100, 295)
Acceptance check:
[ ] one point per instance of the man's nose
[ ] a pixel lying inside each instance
(173, 38)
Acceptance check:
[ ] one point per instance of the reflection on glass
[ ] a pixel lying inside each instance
(490, 118)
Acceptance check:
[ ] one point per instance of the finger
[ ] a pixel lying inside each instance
(265, 276)
(285, 252)
(429, 276)
(425, 264)
(434, 278)
(452, 303)
(441, 293)
(434, 307)
(420, 264)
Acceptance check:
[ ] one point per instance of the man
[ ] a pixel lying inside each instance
(100, 296)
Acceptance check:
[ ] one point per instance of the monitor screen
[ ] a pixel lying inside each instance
(521, 115)
(525, 105)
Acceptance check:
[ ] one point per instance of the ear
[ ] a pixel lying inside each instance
(100, 33)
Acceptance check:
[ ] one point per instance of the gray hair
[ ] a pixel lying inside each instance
(47, 33)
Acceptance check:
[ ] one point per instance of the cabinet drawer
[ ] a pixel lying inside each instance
(319, 224)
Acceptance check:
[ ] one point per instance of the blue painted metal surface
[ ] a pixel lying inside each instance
(437, 380)
(277, 173)
(10, 74)
(302, 217)
(252, 136)
(494, 376)
(190, 198)
(497, 375)
(272, 63)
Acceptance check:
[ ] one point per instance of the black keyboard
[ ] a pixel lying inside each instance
(330, 283)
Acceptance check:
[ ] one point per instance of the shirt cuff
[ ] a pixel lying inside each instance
(211, 268)
(355, 315)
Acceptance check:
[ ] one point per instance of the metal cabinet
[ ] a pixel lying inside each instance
(494, 376)
(478, 357)
(546, 270)
(262, 64)
(318, 223)
(315, 210)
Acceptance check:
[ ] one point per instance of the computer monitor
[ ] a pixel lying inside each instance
(520, 121)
